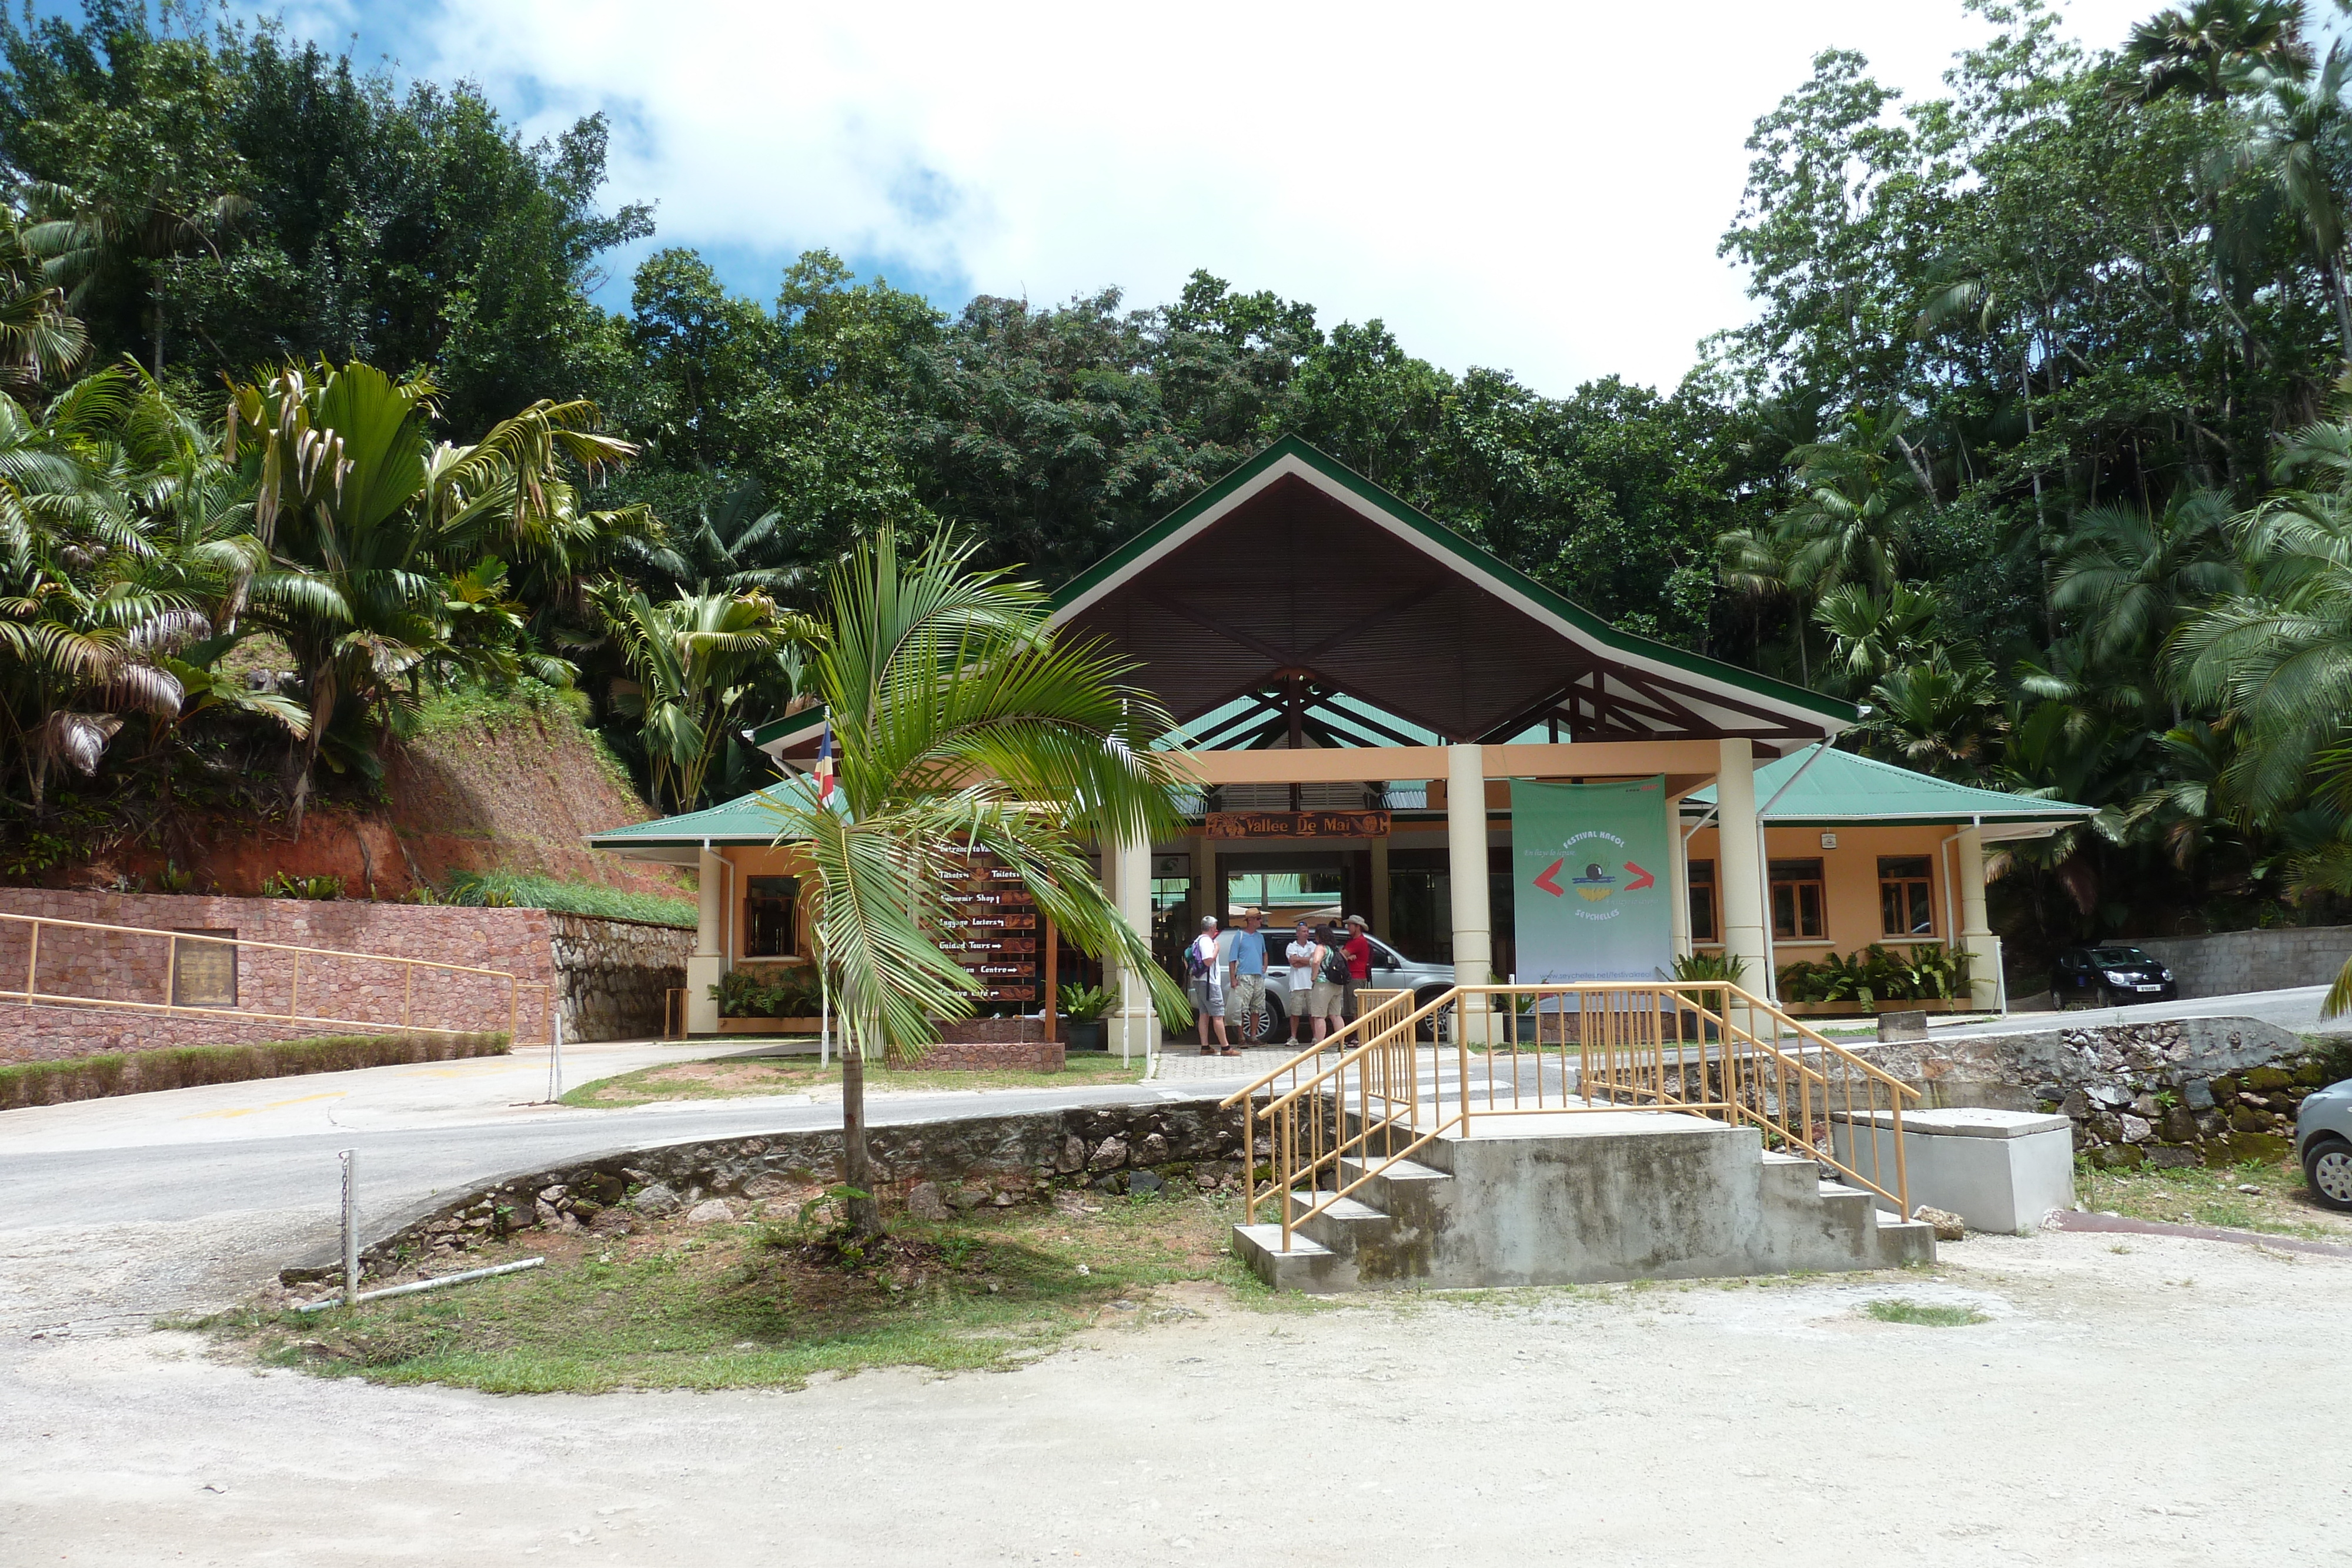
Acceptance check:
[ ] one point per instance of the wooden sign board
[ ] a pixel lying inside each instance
(1296, 825)
(1026, 921)
(985, 898)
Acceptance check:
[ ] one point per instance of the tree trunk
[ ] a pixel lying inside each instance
(2041, 520)
(856, 1162)
(2334, 272)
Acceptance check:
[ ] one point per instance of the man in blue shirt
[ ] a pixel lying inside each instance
(1246, 984)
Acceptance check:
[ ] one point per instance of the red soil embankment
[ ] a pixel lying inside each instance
(512, 791)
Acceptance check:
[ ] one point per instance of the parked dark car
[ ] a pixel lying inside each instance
(2108, 976)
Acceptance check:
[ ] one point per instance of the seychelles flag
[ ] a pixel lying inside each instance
(825, 767)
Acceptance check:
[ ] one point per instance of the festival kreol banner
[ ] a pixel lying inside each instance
(1588, 863)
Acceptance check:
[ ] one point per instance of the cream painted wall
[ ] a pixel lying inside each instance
(1850, 883)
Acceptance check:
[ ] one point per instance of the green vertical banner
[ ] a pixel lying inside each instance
(1589, 865)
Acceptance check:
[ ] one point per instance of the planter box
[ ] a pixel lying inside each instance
(770, 1026)
(991, 1031)
(982, 1056)
(1863, 1011)
(1095, 1036)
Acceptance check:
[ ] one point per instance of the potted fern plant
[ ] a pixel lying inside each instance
(1083, 1009)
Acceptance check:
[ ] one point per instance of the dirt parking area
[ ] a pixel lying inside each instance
(2127, 1400)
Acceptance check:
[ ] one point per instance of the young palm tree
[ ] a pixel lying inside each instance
(2297, 135)
(2276, 658)
(369, 527)
(958, 720)
(1861, 495)
(2132, 576)
(2205, 49)
(698, 660)
(1870, 635)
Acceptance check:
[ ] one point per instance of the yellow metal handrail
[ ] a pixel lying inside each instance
(1703, 1048)
(30, 995)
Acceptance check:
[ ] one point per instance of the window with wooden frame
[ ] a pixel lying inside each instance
(1701, 879)
(771, 910)
(1797, 900)
(1906, 907)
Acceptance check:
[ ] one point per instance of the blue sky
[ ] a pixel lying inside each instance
(1519, 186)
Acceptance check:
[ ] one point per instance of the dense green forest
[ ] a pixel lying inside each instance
(2038, 442)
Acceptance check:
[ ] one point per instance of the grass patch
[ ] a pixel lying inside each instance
(725, 1077)
(179, 1067)
(766, 1305)
(472, 706)
(1896, 1310)
(2280, 1204)
(523, 890)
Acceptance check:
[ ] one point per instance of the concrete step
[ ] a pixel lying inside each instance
(1304, 1265)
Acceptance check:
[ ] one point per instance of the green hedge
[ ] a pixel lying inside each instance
(177, 1066)
(505, 888)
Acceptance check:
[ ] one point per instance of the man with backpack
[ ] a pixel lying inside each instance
(1326, 1003)
(1208, 988)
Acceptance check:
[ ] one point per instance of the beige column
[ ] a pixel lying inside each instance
(1131, 891)
(1976, 931)
(708, 961)
(1377, 916)
(1679, 881)
(1465, 850)
(1740, 868)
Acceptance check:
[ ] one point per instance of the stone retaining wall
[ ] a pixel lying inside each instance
(2231, 963)
(615, 974)
(996, 1160)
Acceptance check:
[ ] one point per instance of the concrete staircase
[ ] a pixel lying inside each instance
(1580, 1200)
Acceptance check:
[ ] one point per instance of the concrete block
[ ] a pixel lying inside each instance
(1999, 1170)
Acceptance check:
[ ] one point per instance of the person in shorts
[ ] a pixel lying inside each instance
(1245, 973)
(1358, 949)
(1324, 1001)
(1305, 957)
(1207, 976)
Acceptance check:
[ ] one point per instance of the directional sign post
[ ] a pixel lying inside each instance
(1587, 860)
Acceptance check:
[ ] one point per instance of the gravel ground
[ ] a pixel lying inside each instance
(2144, 1400)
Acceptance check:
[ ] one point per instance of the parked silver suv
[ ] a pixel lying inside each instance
(2323, 1138)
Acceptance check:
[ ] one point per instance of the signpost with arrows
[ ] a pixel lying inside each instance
(992, 929)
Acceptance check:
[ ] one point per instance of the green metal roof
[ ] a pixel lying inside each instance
(1840, 788)
(746, 819)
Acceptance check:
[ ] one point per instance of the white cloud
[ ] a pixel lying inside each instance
(1535, 187)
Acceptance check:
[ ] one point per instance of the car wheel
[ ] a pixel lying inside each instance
(1426, 1030)
(1271, 1026)
(2327, 1166)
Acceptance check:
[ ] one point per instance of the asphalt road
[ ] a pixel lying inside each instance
(168, 1182)
(169, 1202)
(2296, 1011)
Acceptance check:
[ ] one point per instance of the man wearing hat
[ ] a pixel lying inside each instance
(1208, 985)
(1245, 975)
(1359, 949)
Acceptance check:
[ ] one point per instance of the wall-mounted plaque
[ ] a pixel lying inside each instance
(204, 974)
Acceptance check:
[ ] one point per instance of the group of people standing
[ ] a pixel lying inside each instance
(1321, 968)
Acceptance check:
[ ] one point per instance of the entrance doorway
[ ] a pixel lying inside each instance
(1291, 885)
